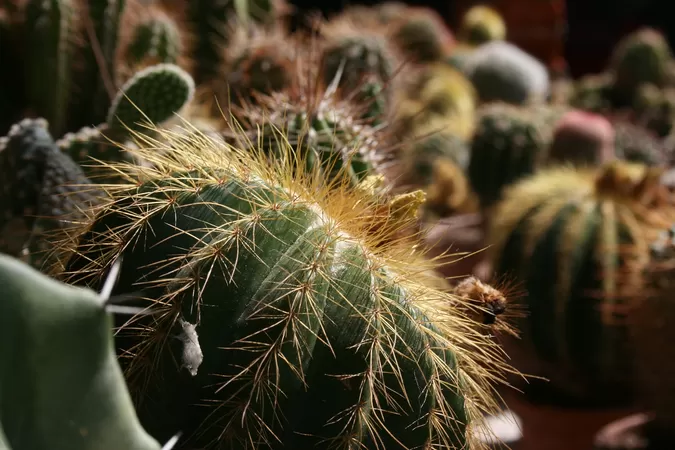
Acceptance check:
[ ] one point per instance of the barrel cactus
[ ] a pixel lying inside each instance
(578, 240)
(422, 36)
(282, 321)
(481, 24)
(582, 138)
(501, 71)
(75, 398)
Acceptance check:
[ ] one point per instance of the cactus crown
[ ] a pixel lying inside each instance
(183, 164)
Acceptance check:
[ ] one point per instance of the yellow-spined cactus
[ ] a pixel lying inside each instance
(481, 24)
(282, 315)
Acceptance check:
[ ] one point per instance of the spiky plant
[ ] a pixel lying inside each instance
(422, 36)
(640, 57)
(654, 108)
(283, 319)
(578, 241)
(43, 192)
(510, 143)
(635, 143)
(582, 138)
(257, 62)
(593, 93)
(449, 191)
(62, 386)
(481, 24)
(652, 323)
(501, 71)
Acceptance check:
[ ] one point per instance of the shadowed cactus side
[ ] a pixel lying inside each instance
(578, 240)
(283, 320)
(43, 192)
(61, 385)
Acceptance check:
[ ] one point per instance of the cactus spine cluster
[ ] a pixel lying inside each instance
(284, 319)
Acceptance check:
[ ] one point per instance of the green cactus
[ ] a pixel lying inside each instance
(154, 94)
(422, 35)
(655, 108)
(282, 321)
(157, 38)
(509, 143)
(43, 192)
(62, 387)
(593, 93)
(641, 57)
(578, 240)
(49, 30)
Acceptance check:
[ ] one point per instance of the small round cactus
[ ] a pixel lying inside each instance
(481, 24)
(582, 138)
(155, 39)
(280, 318)
(422, 36)
(578, 239)
(501, 71)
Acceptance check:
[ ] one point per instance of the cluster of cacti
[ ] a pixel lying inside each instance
(284, 314)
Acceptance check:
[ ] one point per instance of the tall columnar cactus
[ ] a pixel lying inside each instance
(62, 387)
(49, 34)
(582, 138)
(509, 143)
(641, 57)
(652, 325)
(281, 320)
(481, 24)
(422, 35)
(501, 71)
(578, 241)
(43, 192)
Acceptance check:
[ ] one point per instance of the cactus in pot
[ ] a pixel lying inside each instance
(578, 239)
(283, 321)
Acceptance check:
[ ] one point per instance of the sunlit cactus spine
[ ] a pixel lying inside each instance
(652, 323)
(281, 320)
(501, 71)
(42, 192)
(582, 138)
(578, 239)
(481, 24)
(509, 143)
(49, 34)
(422, 36)
(641, 57)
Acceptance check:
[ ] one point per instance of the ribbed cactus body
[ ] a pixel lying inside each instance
(157, 39)
(509, 143)
(577, 240)
(276, 314)
(42, 189)
(49, 34)
(501, 71)
(62, 387)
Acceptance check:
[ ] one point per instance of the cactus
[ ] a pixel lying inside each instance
(49, 29)
(76, 397)
(156, 39)
(509, 143)
(449, 192)
(655, 108)
(641, 57)
(582, 138)
(501, 71)
(634, 143)
(288, 316)
(257, 62)
(154, 94)
(43, 193)
(422, 36)
(481, 24)
(651, 324)
(578, 239)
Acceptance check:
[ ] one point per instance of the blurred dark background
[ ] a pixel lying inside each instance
(592, 26)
